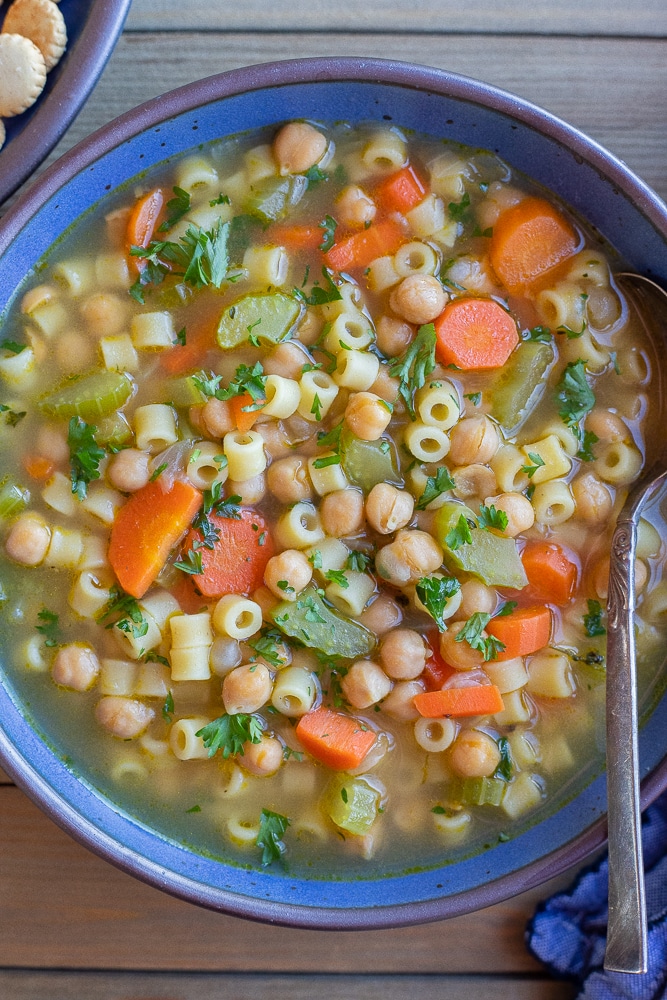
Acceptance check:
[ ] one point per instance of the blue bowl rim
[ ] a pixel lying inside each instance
(147, 116)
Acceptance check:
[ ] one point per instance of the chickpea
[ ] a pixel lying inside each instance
(474, 481)
(399, 703)
(365, 684)
(593, 499)
(287, 360)
(74, 351)
(419, 298)
(215, 417)
(385, 386)
(289, 481)
(403, 654)
(600, 577)
(125, 718)
(459, 655)
(266, 601)
(367, 415)
(287, 574)
(128, 470)
(607, 426)
(246, 688)
(388, 508)
(28, 539)
(263, 758)
(52, 443)
(474, 754)
(517, 508)
(297, 147)
(76, 667)
(355, 208)
(410, 556)
(251, 491)
(104, 314)
(342, 513)
(476, 596)
(393, 335)
(473, 439)
(380, 616)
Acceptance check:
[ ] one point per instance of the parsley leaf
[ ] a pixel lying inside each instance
(311, 612)
(539, 335)
(168, 707)
(12, 346)
(325, 461)
(330, 439)
(585, 453)
(474, 397)
(435, 487)
(593, 620)
(338, 576)
(272, 827)
(537, 461)
(50, 628)
(434, 592)
(130, 617)
(269, 644)
(415, 365)
(247, 379)
(321, 294)
(177, 207)
(505, 765)
(489, 517)
(191, 563)
(459, 535)
(458, 210)
(228, 733)
(358, 561)
(574, 394)
(12, 417)
(85, 456)
(471, 633)
(328, 227)
(200, 257)
(222, 199)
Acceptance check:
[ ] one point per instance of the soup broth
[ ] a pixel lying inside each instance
(313, 442)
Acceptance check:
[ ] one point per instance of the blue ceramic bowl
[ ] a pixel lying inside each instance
(616, 202)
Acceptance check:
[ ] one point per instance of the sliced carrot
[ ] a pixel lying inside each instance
(185, 357)
(522, 632)
(529, 240)
(236, 563)
(479, 699)
(552, 571)
(38, 467)
(474, 334)
(297, 237)
(401, 191)
(337, 740)
(244, 418)
(142, 223)
(146, 529)
(436, 672)
(359, 249)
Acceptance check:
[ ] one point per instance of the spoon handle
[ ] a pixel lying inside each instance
(627, 931)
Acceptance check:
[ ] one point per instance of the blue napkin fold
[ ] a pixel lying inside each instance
(568, 931)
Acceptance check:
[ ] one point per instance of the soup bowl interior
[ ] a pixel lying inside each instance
(616, 204)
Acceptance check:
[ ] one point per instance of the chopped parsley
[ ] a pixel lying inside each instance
(458, 210)
(505, 766)
(321, 294)
(126, 612)
(330, 439)
(539, 335)
(489, 517)
(328, 227)
(435, 487)
(316, 408)
(12, 346)
(168, 707)
(158, 472)
(177, 207)
(272, 828)
(338, 576)
(474, 397)
(326, 461)
(247, 379)
(459, 535)
(50, 627)
(228, 733)
(358, 561)
(434, 592)
(593, 619)
(537, 461)
(11, 417)
(269, 645)
(585, 453)
(574, 395)
(191, 563)
(85, 456)
(285, 587)
(415, 365)
(200, 257)
(471, 633)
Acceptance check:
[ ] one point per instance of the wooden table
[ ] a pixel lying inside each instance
(72, 926)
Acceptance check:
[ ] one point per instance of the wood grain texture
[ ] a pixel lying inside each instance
(541, 17)
(149, 986)
(62, 907)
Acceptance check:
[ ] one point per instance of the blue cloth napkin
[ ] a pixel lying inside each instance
(568, 931)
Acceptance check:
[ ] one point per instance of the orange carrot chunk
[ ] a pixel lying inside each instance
(297, 237)
(236, 563)
(359, 249)
(339, 741)
(480, 699)
(145, 531)
(142, 223)
(529, 240)
(244, 418)
(523, 631)
(38, 467)
(475, 333)
(436, 672)
(552, 572)
(401, 191)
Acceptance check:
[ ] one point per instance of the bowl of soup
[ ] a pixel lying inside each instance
(319, 398)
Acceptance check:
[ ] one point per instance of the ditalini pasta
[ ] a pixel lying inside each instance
(312, 445)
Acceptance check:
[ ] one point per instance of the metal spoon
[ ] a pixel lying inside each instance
(627, 949)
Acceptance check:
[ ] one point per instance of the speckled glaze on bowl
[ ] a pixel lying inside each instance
(92, 31)
(616, 202)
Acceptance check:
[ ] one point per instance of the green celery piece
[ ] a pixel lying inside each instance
(521, 383)
(13, 498)
(270, 318)
(90, 397)
(334, 635)
(182, 392)
(272, 198)
(114, 432)
(495, 560)
(479, 791)
(365, 463)
(351, 803)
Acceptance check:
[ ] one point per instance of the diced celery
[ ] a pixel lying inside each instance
(269, 318)
(114, 432)
(315, 624)
(13, 498)
(479, 791)
(495, 560)
(182, 391)
(272, 198)
(89, 397)
(367, 463)
(521, 384)
(351, 803)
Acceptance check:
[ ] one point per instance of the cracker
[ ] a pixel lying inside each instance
(41, 22)
(22, 74)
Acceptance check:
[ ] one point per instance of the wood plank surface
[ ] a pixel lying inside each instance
(64, 908)
(544, 17)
